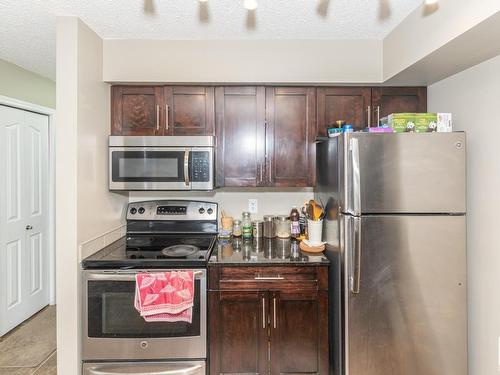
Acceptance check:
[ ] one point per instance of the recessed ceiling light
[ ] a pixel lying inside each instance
(203, 1)
(251, 4)
(430, 2)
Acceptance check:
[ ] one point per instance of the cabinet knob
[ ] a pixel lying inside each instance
(29, 227)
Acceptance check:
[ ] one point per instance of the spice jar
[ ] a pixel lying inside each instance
(237, 228)
(269, 231)
(246, 225)
(257, 228)
(282, 224)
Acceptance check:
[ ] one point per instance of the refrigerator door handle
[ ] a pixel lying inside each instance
(356, 256)
(355, 175)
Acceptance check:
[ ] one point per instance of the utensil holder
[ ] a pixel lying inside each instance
(315, 231)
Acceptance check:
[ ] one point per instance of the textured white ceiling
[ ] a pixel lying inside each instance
(27, 27)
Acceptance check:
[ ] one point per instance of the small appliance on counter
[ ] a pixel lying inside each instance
(161, 236)
(161, 163)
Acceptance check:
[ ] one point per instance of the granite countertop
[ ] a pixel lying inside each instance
(263, 251)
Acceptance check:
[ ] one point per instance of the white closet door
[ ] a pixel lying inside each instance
(24, 253)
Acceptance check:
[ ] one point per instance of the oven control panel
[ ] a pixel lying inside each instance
(172, 210)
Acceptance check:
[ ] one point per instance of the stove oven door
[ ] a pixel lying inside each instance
(114, 330)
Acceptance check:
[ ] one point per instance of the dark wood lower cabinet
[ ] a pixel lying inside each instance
(279, 328)
(298, 345)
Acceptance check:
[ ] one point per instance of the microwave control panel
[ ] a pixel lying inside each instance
(200, 162)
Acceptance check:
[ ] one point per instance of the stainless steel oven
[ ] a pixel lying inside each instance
(114, 330)
(161, 163)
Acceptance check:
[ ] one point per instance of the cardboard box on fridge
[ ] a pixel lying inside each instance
(444, 122)
(400, 122)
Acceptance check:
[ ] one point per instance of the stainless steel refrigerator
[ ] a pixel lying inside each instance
(396, 236)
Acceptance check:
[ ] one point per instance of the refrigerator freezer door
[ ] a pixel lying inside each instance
(405, 301)
(402, 173)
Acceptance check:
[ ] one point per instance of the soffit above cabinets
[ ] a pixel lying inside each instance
(28, 27)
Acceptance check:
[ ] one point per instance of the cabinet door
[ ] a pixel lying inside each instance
(190, 110)
(290, 136)
(238, 332)
(299, 332)
(349, 104)
(389, 100)
(240, 119)
(137, 110)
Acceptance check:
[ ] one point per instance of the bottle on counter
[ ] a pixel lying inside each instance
(246, 225)
(294, 222)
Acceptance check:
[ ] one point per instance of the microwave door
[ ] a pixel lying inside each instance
(149, 168)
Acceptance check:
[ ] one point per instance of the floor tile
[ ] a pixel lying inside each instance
(30, 344)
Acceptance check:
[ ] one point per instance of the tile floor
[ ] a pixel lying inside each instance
(31, 347)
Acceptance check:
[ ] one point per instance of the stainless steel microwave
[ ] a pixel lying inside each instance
(161, 163)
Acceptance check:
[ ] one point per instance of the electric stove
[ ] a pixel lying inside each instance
(162, 234)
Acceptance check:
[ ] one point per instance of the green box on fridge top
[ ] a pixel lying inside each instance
(400, 122)
(425, 122)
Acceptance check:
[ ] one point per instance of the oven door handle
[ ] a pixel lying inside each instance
(128, 275)
(186, 166)
(114, 370)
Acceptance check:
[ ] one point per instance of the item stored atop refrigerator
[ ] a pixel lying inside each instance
(282, 226)
(418, 122)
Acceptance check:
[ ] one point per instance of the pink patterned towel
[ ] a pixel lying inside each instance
(165, 296)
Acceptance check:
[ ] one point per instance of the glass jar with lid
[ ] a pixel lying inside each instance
(246, 225)
(282, 226)
(237, 228)
(269, 231)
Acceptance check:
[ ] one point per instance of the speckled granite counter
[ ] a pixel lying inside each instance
(263, 251)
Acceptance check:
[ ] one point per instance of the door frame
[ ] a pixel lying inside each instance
(50, 113)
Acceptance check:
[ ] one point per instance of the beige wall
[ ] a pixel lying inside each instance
(234, 202)
(84, 207)
(19, 83)
(420, 34)
(473, 98)
(260, 61)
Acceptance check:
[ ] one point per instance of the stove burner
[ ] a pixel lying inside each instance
(180, 251)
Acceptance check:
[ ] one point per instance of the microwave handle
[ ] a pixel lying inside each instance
(186, 167)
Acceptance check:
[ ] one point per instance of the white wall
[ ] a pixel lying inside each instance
(84, 207)
(234, 202)
(227, 61)
(422, 33)
(473, 96)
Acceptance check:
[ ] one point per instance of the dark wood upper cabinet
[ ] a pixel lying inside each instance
(298, 318)
(290, 136)
(190, 110)
(238, 335)
(136, 110)
(240, 129)
(387, 100)
(349, 104)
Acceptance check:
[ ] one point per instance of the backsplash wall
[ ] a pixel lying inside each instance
(234, 201)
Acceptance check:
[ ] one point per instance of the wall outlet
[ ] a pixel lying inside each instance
(253, 206)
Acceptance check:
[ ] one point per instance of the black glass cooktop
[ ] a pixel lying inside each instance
(154, 251)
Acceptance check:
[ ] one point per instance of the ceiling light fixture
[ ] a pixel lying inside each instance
(251, 4)
(430, 2)
(203, 1)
